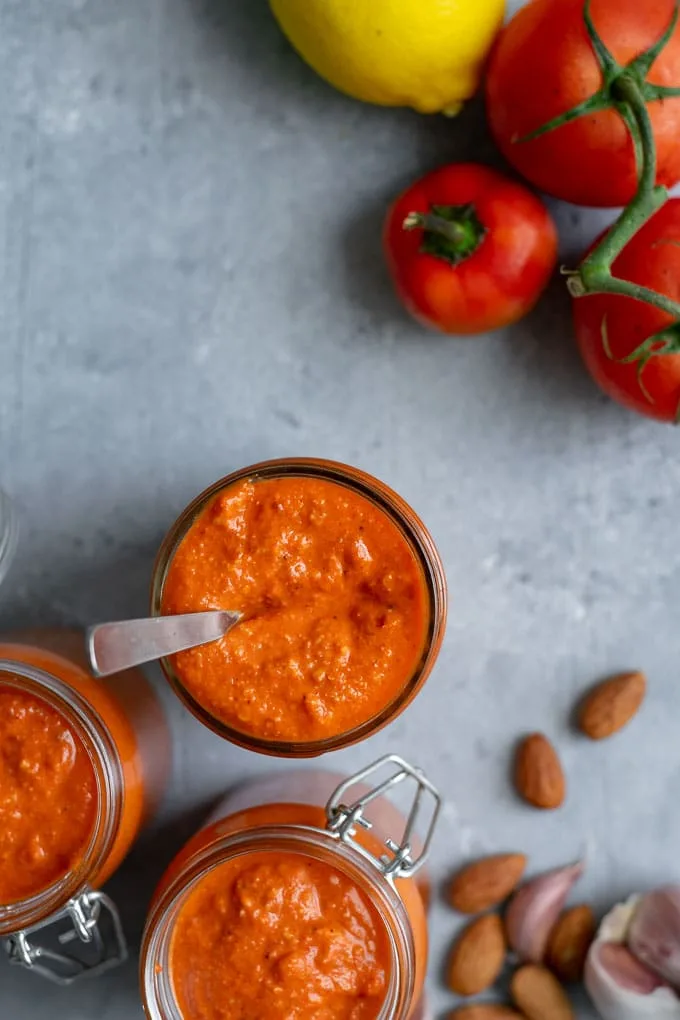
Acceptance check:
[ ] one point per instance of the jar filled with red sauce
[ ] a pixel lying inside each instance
(83, 764)
(287, 904)
(342, 597)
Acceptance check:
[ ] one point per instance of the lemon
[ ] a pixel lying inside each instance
(428, 54)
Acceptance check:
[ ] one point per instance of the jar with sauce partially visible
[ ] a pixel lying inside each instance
(83, 764)
(343, 602)
(283, 907)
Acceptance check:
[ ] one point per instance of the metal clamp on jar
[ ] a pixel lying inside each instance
(86, 937)
(402, 859)
(265, 877)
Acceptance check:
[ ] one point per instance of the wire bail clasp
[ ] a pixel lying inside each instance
(90, 922)
(405, 856)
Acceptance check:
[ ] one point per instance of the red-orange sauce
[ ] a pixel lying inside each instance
(277, 934)
(334, 600)
(48, 796)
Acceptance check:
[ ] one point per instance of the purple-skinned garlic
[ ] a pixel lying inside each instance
(620, 986)
(654, 933)
(534, 909)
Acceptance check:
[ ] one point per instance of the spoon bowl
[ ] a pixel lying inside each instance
(113, 647)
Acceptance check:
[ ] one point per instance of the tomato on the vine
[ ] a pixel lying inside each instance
(548, 69)
(631, 348)
(469, 250)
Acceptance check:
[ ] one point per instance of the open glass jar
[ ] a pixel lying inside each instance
(343, 601)
(301, 896)
(84, 763)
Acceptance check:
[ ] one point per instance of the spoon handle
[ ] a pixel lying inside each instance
(112, 647)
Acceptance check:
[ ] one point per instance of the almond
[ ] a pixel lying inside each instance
(485, 1011)
(538, 773)
(484, 884)
(569, 943)
(611, 705)
(539, 995)
(477, 957)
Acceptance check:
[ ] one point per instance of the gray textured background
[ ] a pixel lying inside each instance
(191, 280)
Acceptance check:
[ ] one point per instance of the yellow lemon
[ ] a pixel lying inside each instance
(428, 54)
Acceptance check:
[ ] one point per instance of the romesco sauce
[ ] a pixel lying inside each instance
(63, 824)
(279, 934)
(336, 602)
(274, 909)
(109, 709)
(48, 796)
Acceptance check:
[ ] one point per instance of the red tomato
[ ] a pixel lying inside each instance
(610, 329)
(489, 269)
(544, 65)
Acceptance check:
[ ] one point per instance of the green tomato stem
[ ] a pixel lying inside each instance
(624, 288)
(457, 233)
(648, 198)
(594, 275)
(450, 232)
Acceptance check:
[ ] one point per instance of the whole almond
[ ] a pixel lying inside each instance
(569, 943)
(485, 1011)
(484, 884)
(539, 995)
(538, 773)
(477, 957)
(611, 705)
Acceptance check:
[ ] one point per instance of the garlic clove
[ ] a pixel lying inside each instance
(654, 934)
(534, 909)
(615, 926)
(620, 986)
(626, 970)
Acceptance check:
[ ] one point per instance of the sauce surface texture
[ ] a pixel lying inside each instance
(48, 796)
(334, 601)
(279, 935)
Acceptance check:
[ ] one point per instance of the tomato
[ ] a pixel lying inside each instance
(544, 64)
(469, 250)
(611, 330)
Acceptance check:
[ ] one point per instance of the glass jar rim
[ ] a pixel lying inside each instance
(414, 532)
(108, 771)
(155, 972)
(8, 534)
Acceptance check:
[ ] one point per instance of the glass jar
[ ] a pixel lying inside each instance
(422, 550)
(8, 534)
(349, 825)
(71, 928)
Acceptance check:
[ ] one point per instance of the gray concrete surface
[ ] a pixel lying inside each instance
(191, 281)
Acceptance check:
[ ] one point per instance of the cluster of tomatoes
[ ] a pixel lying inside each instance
(471, 250)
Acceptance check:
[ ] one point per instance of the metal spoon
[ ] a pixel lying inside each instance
(112, 647)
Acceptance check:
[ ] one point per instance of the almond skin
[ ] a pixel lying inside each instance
(569, 943)
(485, 1011)
(538, 773)
(477, 957)
(611, 705)
(539, 995)
(484, 884)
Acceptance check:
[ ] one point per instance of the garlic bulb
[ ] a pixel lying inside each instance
(534, 910)
(620, 986)
(654, 933)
